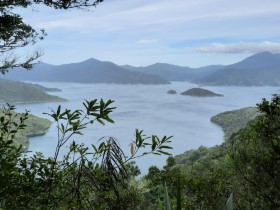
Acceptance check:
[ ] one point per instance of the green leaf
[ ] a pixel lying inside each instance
(165, 147)
(9, 142)
(154, 143)
(94, 148)
(58, 110)
(100, 121)
(79, 133)
(163, 152)
(109, 120)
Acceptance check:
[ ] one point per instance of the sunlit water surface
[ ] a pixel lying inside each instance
(148, 108)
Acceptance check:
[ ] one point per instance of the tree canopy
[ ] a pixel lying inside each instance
(15, 33)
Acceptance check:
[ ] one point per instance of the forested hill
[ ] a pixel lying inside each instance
(35, 126)
(89, 71)
(257, 70)
(245, 166)
(20, 92)
(232, 121)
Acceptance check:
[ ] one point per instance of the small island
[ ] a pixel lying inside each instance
(171, 92)
(200, 92)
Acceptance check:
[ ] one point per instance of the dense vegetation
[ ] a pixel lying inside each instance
(245, 166)
(20, 92)
(99, 177)
(34, 126)
(200, 92)
(232, 121)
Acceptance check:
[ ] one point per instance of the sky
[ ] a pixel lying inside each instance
(191, 33)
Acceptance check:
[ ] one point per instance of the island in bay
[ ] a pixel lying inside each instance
(200, 92)
(171, 92)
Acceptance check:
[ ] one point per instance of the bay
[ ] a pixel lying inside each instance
(148, 108)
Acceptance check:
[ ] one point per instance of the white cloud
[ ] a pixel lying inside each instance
(242, 47)
(117, 26)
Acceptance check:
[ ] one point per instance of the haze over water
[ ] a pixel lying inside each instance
(149, 108)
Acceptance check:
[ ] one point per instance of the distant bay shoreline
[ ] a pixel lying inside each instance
(151, 109)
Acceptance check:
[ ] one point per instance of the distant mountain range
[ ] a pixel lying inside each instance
(89, 71)
(175, 73)
(256, 70)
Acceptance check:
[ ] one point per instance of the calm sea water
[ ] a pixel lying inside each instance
(151, 109)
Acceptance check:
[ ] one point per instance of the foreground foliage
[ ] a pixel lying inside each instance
(255, 155)
(33, 126)
(243, 172)
(86, 178)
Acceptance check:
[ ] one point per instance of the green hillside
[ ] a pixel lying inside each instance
(34, 126)
(20, 92)
(232, 121)
(46, 89)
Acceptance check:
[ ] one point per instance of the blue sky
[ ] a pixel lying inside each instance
(142, 32)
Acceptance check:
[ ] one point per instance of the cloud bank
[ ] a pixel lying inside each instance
(242, 47)
(142, 32)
